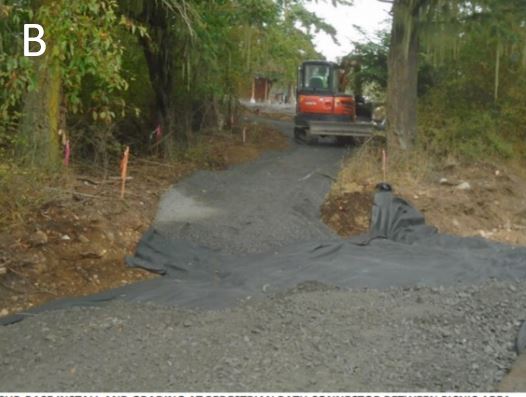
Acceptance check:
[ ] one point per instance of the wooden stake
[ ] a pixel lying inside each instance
(67, 153)
(124, 170)
(244, 134)
(384, 164)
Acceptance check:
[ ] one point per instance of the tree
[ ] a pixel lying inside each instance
(198, 55)
(201, 54)
(40, 143)
(81, 46)
(483, 75)
(440, 25)
(402, 75)
(412, 19)
(366, 65)
(170, 26)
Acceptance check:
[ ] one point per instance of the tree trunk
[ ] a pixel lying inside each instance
(39, 143)
(159, 59)
(288, 98)
(159, 68)
(402, 77)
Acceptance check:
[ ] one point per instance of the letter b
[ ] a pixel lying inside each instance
(38, 39)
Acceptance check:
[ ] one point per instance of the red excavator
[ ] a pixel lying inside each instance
(324, 109)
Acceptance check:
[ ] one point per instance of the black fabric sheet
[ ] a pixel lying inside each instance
(400, 250)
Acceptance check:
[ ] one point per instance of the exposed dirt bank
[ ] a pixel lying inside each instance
(74, 242)
(480, 199)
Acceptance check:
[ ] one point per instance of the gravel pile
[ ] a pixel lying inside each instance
(311, 338)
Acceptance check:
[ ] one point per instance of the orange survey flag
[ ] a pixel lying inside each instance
(124, 169)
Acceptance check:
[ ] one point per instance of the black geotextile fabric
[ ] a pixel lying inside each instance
(400, 250)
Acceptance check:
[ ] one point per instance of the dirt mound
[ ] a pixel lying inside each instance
(462, 199)
(479, 200)
(348, 213)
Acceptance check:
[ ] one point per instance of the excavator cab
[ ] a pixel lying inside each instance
(323, 108)
(317, 77)
(319, 92)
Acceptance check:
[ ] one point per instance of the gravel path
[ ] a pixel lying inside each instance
(311, 339)
(254, 207)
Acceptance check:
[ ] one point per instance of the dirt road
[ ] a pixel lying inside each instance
(313, 337)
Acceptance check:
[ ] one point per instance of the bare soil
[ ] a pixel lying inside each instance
(75, 242)
(348, 213)
(481, 199)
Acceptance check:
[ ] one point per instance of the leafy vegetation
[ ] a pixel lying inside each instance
(116, 70)
(482, 81)
(462, 65)
(368, 67)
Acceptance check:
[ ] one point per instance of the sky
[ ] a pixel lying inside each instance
(369, 15)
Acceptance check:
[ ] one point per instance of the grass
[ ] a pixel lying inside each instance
(23, 190)
(364, 169)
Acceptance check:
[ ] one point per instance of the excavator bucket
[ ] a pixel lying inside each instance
(351, 129)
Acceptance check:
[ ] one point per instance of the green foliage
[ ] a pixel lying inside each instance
(84, 61)
(203, 55)
(15, 76)
(206, 54)
(82, 45)
(238, 39)
(462, 132)
(476, 105)
(367, 66)
(84, 42)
